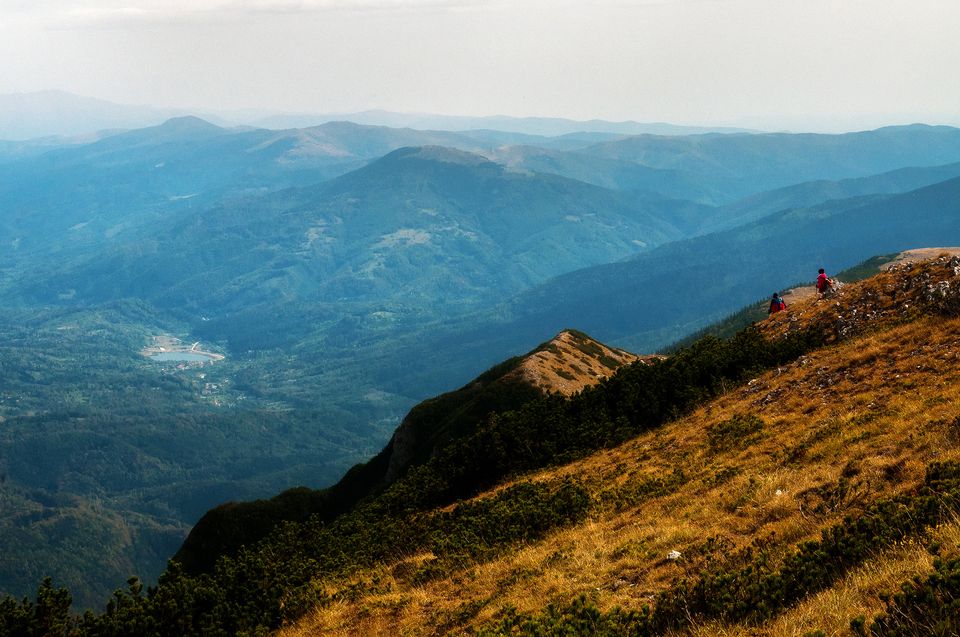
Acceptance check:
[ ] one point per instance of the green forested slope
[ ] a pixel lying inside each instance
(107, 459)
(760, 162)
(689, 284)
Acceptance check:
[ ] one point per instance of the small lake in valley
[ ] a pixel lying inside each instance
(182, 357)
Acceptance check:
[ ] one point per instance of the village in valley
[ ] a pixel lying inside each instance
(178, 356)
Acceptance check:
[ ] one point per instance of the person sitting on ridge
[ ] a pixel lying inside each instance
(823, 283)
(777, 304)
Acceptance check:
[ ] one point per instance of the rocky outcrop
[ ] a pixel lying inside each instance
(905, 288)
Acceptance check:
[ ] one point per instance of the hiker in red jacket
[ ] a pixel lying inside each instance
(823, 283)
(777, 304)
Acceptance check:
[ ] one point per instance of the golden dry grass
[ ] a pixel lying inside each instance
(843, 426)
(858, 594)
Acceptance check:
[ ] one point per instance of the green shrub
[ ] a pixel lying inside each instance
(48, 616)
(924, 606)
(750, 586)
(737, 432)
(578, 619)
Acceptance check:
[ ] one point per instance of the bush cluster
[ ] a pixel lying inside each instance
(751, 587)
(924, 606)
(736, 432)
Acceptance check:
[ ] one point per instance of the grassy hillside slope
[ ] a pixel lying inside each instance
(756, 472)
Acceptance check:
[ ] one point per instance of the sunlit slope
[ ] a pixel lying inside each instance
(771, 464)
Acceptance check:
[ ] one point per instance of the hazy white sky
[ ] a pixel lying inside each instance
(797, 64)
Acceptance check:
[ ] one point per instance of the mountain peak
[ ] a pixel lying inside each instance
(442, 154)
(188, 124)
(570, 362)
(566, 364)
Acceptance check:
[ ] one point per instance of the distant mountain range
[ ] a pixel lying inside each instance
(543, 126)
(98, 189)
(54, 113)
(58, 113)
(230, 224)
(420, 231)
(748, 164)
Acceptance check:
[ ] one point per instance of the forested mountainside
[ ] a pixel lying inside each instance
(696, 281)
(788, 476)
(721, 170)
(417, 229)
(754, 163)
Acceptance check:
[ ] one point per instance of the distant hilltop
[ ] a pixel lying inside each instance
(545, 126)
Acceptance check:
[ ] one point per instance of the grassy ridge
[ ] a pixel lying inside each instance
(789, 453)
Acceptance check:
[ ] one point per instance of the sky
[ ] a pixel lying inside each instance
(824, 65)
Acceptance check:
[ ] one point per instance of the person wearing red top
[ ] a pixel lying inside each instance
(776, 304)
(823, 282)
